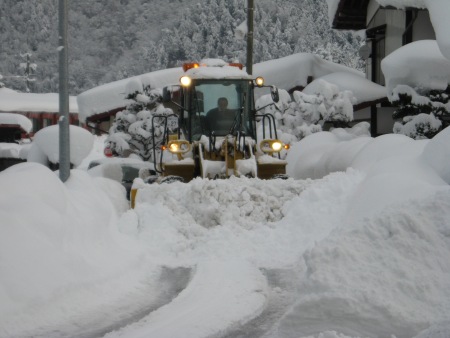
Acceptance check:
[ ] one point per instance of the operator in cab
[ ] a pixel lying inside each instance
(220, 120)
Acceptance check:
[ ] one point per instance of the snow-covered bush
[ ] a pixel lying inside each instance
(422, 126)
(305, 112)
(136, 130)
(420, 112)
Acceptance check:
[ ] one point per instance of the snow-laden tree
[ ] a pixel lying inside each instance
(29, 69)
(113, 39)
(420, 113)
(140, 128)
(306, 113)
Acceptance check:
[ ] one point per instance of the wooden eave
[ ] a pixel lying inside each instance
(351, 15)
(363, 105)
(97, 118)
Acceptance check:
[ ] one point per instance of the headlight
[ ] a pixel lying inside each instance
(179, 146)
(259, 81)
(276, 146)
(271, 146)
(185, 81)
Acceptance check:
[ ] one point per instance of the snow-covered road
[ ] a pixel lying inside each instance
(242, 239)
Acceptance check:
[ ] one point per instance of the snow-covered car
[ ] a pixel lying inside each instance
(123, 170)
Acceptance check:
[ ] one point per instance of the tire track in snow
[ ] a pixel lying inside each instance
(220, 295)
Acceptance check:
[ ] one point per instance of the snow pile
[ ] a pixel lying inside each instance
(382, 271)
(14, 150)
(55, 239)
(217, 202)
(382, 276)
(96, 152)
(45, 146)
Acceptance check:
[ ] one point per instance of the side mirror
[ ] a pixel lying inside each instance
(275, 94)
(166, 94)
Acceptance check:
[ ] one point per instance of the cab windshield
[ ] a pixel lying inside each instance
(221, 107)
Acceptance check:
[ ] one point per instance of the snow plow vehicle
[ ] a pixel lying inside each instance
(219, 131)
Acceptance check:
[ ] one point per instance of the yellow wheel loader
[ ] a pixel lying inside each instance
(219, 133)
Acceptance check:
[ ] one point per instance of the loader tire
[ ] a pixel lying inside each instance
(172, 179)
(280, 176)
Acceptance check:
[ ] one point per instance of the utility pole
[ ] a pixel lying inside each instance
(64, 131)
(250, 37)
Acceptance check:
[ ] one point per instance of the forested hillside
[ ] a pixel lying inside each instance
(115, 39)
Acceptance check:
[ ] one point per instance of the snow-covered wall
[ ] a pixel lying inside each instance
(439, 12)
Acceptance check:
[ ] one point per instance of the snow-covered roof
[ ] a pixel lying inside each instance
(286, 73)
(402, 4)
(363, 90)
(418, 64)
(12, 101)
(16, 119)
(223, 72)
(112, 95)
(293, 71)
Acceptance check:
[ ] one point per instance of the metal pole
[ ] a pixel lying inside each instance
(64, 136)
(250, 37)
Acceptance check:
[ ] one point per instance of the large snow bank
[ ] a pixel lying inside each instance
(54, 238)
(419, 64)
(376, 265)
(12, 101)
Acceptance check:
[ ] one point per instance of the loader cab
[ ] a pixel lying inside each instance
(217, 107)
